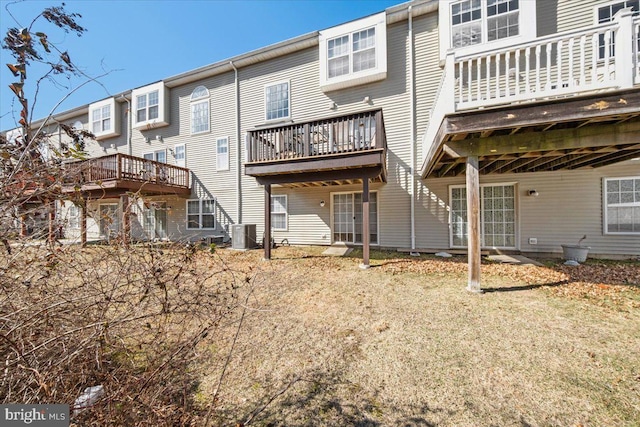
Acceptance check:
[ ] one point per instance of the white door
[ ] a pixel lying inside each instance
(155, 220)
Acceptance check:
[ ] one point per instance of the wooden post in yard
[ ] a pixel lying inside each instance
(126, 228)
(473, 223)
(267, 222)
(365, 224)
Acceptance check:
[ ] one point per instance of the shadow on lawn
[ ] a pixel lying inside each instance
(323, 397)
(524, 287)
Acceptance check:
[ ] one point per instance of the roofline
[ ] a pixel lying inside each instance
(394, 14)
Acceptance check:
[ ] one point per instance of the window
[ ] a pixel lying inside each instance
(104, 120)
(622, 205)
(201, 214)
(158, 156)
(222, 154)
(354, 53)
(180, 155)
(477, 21)
(465, 23)
(279, 212)
(200, 110)
(74, 217)
(276, 101)
(348, 219)
(605, 14)
(150, 107)
(147, 106)
(497, 216)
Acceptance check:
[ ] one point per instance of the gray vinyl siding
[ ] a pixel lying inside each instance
(569, 205)
(574, 14)
(308, 102)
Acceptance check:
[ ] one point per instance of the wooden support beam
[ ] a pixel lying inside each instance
(126, 219)
(267, 222)
(473, 223)
(365, 223)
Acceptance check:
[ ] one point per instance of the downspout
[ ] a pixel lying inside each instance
(129, 148)
(412, 113)
(238, 150)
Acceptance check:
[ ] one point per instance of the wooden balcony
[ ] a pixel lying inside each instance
(335, 150)
(120, 173)
(563, 101)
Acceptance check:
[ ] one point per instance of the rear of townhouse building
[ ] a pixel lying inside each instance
(522, 113)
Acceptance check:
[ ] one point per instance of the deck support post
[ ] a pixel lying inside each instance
(126, 224)
(473, 223)
(83, 223)
(365, 223)
(267, 222)
(51, 208)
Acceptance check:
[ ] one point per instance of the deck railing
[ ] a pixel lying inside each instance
(124, 167)
(350, 133)
(598, 58)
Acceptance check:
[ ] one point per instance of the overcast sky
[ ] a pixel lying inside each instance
(136, 42)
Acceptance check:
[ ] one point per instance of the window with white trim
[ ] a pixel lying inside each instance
(199, 110)
(150, 107)
(465, 23)
(606, 13)
(276, 101)
(74, 216)
(622, 205)
(103, 119)
(180, 155)
(201, 214)
(354, 53)
(279, 212)
(222, 154)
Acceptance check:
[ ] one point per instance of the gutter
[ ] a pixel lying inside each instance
(238, 149)
(129, 146)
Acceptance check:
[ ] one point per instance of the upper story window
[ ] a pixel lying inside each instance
(354, 53)
(466, 23)
(180, 155)
(622, 205)
(104, 120)
(199, 110)
(276, 101)
(606, 14)
(222, 154)
(150, 106)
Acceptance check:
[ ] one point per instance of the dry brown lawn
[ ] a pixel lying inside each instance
(320, 342)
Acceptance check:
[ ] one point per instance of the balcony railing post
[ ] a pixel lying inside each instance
(307, 139)
(118, 166)
(624, 58)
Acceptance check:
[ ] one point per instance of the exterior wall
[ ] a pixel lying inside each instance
(308, 102)
(569, 205)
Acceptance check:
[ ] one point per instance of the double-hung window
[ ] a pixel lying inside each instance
(481, 21)
(150, 106)
(180, 155)
(605, 14)
(622, 205)
(222, 154)
(201, 214)
(200, 110)
(279, 212)
(277, 101)
(354, 53)
(103, 119)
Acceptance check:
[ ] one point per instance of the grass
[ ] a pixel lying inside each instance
(325, 343)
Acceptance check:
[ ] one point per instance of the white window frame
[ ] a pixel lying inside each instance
(266, 103)
(285, 213)
(144, 93)
(201, 214)
(516, 222)
(109, 123)
(597, 21)
(222, 162)
(73, 217)
(526, 28)
(154, 155)
(376, 22)
(200, 100)
(180, 162)
(606, 205)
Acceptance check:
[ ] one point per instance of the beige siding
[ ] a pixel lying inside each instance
(569, 205)
(574, 14)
